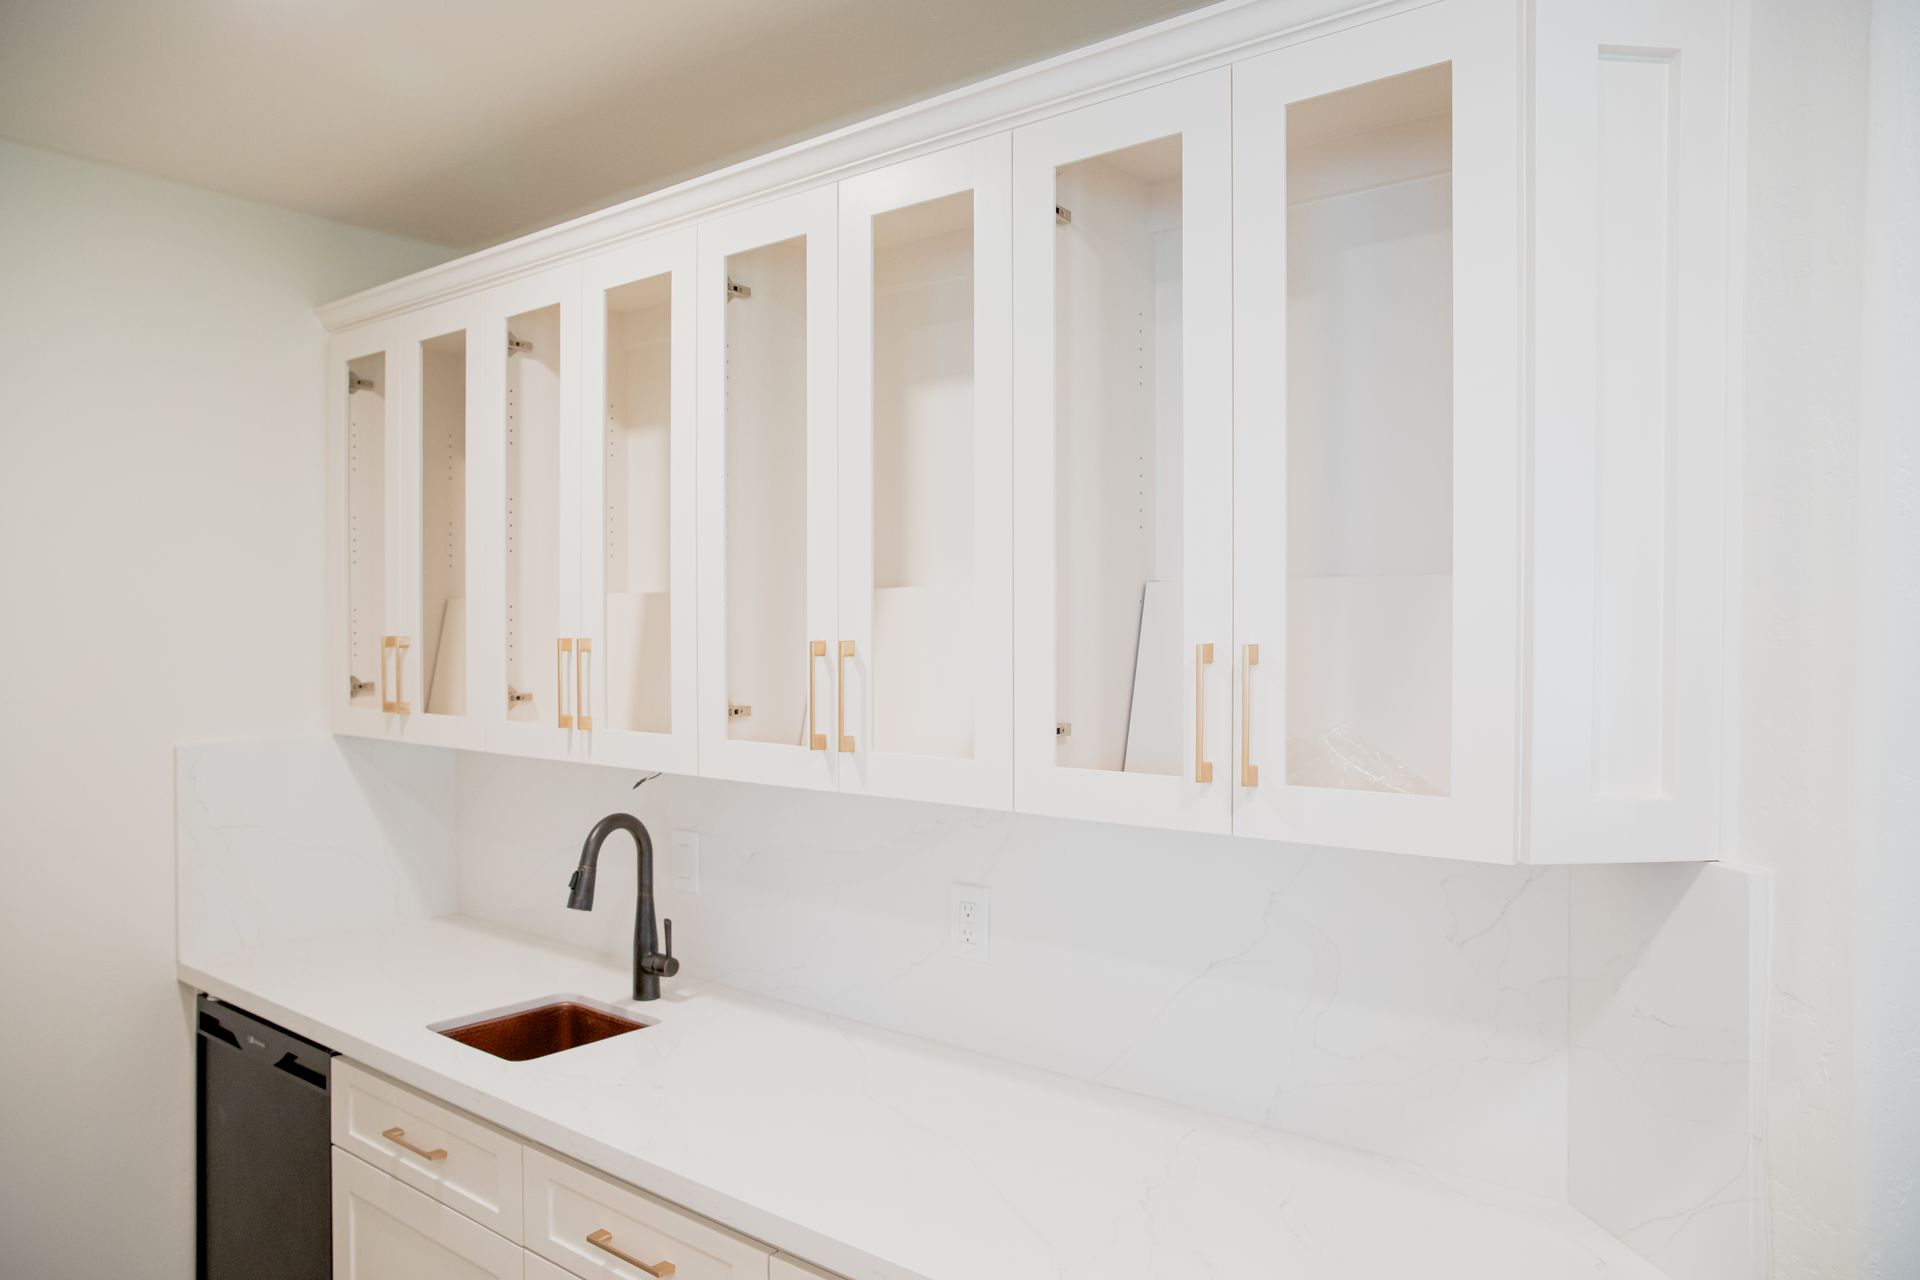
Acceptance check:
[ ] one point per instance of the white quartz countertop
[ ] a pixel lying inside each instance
(882, 1156)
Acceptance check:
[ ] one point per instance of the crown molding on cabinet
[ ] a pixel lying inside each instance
(1169, 50)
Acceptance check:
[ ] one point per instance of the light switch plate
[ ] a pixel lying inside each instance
(968, 920)
(686, 861)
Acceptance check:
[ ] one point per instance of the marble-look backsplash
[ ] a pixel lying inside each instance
(1407, 1006)
(1670, 985)
(288, 838)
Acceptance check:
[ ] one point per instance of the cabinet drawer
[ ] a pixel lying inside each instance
(786, 1267)
(455, 1159)
(538, 1268)
(586, 1223)
(385, 1231)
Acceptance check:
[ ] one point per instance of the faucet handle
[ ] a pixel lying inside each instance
(663, 965)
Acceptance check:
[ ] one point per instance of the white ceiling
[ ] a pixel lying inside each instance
(466, 122)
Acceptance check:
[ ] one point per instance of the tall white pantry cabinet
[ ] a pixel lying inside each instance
(1296, 421)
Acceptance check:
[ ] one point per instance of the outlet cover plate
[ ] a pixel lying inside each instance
(686, 861)
(968, 920)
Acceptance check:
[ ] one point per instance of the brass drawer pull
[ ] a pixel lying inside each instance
(816, 741)
(398, 645)
(565, 649)
(603, 1240)
(1202, 659)
(398, 1137)
(583, 684)
(1249, 659)
(840, 692)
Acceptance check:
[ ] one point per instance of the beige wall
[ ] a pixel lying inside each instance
(160, 579)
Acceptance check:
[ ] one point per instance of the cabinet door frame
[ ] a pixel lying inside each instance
(386, 340)
(814, 215)
(678, 750)
(1198, 108)
(447, 731)
(983, 168)
(1477, 820)
(558, 286)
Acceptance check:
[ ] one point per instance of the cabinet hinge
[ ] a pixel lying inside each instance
(357, 383)
(735, 290)
(1062, 214)
(517, 346)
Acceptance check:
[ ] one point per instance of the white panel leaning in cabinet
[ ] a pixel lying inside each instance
(528, 529)
(923, 650)
(636, 651)
(1122, 458)
(766, 507)
(1377, 438)
(1631, 452)
(366, 375)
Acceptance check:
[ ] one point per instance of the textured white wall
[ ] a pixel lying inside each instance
(1829, 700)
(160, 579)
(1887, 679)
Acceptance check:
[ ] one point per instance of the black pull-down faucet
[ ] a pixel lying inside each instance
(649, 966)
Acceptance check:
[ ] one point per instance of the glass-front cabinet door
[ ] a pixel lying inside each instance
(365, 695)
(437, 490)
(1122, 458)
(532, 680)
(769, 708)
(636, 650)
(1376, 495)
(923, 651)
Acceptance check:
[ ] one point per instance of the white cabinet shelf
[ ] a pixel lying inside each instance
(1305, 427)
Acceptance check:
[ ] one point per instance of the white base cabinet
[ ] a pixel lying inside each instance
(385, 1230)
(1303, 425)
(422, 1192)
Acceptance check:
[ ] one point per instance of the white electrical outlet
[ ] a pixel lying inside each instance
(968, 920)
(686, 861)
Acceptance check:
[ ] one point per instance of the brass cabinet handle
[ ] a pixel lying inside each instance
(564, 647)
(840, 692)
(1249, 659)
(603, 1238)
(582, 678)
(1202, 659)
(816, 741)
(398, 1137)
(397, 646)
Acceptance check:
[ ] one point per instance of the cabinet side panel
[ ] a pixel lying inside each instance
(1630, 438)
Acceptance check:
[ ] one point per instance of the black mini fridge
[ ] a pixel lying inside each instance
(265, 1183)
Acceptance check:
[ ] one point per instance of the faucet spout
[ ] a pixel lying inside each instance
(649, 964)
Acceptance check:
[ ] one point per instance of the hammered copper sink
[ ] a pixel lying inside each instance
(542, 1030)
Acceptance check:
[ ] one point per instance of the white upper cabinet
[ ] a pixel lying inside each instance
(1377, 225)
(402, 573)
(530, 355)
(1315, 434)
(768, 708)
(636, 651)
(922, 654)
(1631, 435)
(1122, 490)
